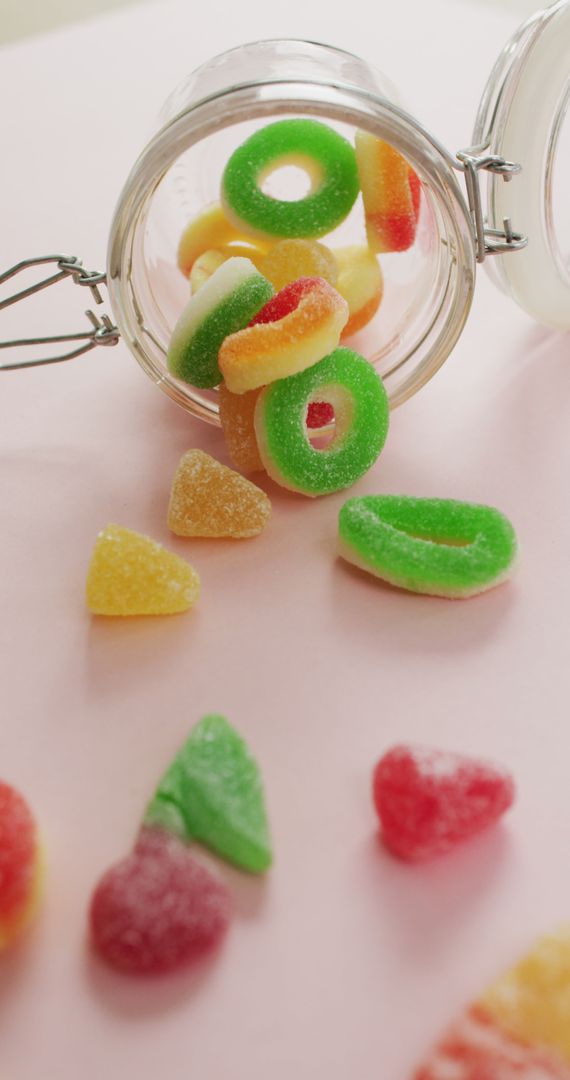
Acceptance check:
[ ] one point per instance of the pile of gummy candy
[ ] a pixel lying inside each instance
(283, 375)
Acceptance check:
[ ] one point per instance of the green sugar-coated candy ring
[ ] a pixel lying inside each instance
(326, 156)
(350, 384)
(225, 304)
(437, 546)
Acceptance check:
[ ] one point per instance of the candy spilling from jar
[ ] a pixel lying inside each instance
(271, 305)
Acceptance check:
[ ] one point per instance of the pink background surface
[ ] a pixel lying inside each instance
(343, 962)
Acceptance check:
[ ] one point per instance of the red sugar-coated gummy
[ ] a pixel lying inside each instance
(428, 800)
(286, 300)
(158, 909)
(319, 414)
(18, 862)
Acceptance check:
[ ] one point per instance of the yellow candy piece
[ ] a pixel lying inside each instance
(290, 260)
(208, 499)
(130, 574)
(211, 229)
(361, 283)
(532, 1000)
(236, 417)
(209, 261)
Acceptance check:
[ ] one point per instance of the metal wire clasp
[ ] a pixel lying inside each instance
(103, 331)
(489, 241)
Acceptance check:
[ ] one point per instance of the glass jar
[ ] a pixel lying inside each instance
(428, 288)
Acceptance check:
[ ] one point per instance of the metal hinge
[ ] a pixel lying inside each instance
(488, 241)
(102, 332)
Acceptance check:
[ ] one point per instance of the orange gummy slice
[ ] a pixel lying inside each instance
(130, 574)
(209, 499)
(236, 418)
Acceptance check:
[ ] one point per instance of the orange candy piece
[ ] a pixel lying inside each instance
(236, 417)
(209, 499)
(391, 192)
(130, 574)
(361, 283)
(290, 260)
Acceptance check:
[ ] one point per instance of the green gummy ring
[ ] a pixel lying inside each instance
(280, 424)
(316, 214)
(441, 547)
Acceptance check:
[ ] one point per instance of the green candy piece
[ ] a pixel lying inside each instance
(348, 382)
(441, 547)
(212, 794)
(302, 142)
(225, 304)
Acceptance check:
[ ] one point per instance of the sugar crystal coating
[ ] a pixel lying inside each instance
(289, 260)
(326, 157)
(441, 547)
(429, 801)
(130, 574)
(519, 1029)
(211, 229)
(158, 909)
(236, 417)
(225, 303)
(293, 331)
(20, 865)
(345, 380)
(391, 192)
(361, 283)
(212, 793)
(209, 499)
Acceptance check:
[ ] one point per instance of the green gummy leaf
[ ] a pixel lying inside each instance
(212, 793)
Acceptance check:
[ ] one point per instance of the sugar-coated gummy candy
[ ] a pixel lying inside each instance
(226, 302)
(428, 801)
(518, 1029)
(209, 261)
(441, 547)
(211, 229)
(293, 331)
(327, 158)
(236, 417)
(130, 574)
(158, 909)
(391, 192)
(345, 380)
(209, 499)
(361, 283)
(212, 793)
(20, 865)
(289, 260)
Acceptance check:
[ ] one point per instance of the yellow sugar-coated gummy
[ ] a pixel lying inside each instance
(290, 260)
(209, 499)
(236, 417)
(361, 283)
(209, 261)
(211, 229)
(130, 574)
(532, 1001)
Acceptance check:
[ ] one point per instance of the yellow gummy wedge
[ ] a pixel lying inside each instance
(130, 574)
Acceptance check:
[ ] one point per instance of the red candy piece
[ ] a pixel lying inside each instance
(428, 801)
(18, 862)
(319, 414)
(286, 301)
(475, 1048)
(158, 909)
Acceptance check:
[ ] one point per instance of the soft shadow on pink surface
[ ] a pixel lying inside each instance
(17, 964)
(117, 649)
(137, 997)
(425, 902)
(400, 619)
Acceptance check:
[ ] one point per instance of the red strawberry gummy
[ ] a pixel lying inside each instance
(158, 909)
(428, 800)
(319, 414)
(20, 870)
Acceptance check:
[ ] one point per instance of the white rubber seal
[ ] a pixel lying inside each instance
(536, 277)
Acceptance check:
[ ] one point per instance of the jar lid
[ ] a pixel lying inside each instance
(522, 118)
